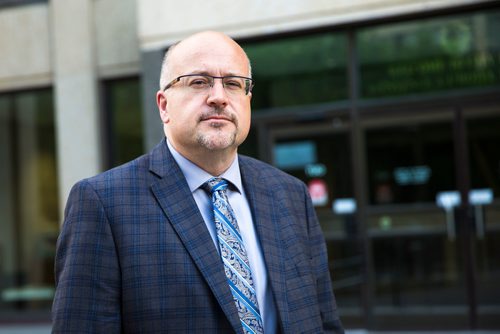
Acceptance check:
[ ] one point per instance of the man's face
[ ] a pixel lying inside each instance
(213, 119)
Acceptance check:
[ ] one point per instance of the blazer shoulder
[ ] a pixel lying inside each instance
(136, 169)
(133, 176)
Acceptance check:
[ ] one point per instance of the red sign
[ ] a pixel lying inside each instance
(318, 191)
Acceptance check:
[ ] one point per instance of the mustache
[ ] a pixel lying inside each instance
(218, 112)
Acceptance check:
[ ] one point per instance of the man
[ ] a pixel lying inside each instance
(151, 246)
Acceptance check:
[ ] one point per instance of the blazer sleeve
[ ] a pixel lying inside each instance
(319, 261)
(88, 284)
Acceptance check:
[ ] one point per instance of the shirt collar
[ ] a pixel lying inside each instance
(196, 177)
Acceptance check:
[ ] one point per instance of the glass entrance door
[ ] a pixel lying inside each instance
(406, 265)
(483, 141)
(418, 279)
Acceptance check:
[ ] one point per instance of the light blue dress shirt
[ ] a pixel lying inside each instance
(196, 177)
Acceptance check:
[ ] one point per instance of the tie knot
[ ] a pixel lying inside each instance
(215, 184)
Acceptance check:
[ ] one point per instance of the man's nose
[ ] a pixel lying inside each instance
(217, 94)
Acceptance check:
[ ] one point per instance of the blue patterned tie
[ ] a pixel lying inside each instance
(234, 257)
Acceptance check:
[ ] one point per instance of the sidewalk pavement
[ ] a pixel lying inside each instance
(25, 329)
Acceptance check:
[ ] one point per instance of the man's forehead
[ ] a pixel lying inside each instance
(207, 45)
(200, 55)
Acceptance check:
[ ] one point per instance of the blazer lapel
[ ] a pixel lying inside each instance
(173, 194)
(267, 221)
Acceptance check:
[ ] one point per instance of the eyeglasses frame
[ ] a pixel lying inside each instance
(248, 88)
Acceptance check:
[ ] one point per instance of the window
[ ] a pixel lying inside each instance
(409, 163)
(124, 123)
(29, 209)
(299, 70)
(433, 55)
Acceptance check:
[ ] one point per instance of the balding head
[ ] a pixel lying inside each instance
(207, 125)
(197, 45)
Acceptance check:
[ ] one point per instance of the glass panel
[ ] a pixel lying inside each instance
(299, 70)
(323, 161)
(418, 270)
(29, 204)
(413, 168)
(123, 101)
(484, 157)
(430, 55)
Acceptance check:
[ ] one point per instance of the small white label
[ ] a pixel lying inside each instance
(480, 196)
(344, 206)
(448, 199)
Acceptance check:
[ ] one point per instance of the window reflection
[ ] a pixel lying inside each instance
(432, 55)
(299, 70)
(29, 211)
(124, 125)
(410, 164)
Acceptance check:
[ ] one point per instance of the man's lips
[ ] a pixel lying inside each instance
(217, 118)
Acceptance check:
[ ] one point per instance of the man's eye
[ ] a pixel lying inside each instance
(233, 84)
(199, 82)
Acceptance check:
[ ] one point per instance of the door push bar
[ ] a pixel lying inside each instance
(478, 198)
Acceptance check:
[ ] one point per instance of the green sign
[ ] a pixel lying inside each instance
(431, 74)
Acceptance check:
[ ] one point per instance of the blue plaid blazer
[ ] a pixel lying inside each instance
(134, 254)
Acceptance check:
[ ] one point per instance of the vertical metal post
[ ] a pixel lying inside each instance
(359, 180)
(465, 230)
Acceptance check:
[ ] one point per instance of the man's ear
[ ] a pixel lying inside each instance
(161, 101)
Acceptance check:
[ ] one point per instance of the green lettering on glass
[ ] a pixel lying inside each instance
(480, 69)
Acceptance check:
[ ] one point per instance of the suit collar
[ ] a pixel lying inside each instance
(159, 157)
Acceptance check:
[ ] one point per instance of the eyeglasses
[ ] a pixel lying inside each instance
(233, 84)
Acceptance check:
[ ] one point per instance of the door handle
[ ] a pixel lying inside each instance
(478, 210)
(448, 200)
(450, 224)
(478, 198)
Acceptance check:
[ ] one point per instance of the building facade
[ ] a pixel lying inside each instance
(389, 110)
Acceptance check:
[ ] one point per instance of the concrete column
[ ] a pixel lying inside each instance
(76, 92)
(150, 69)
